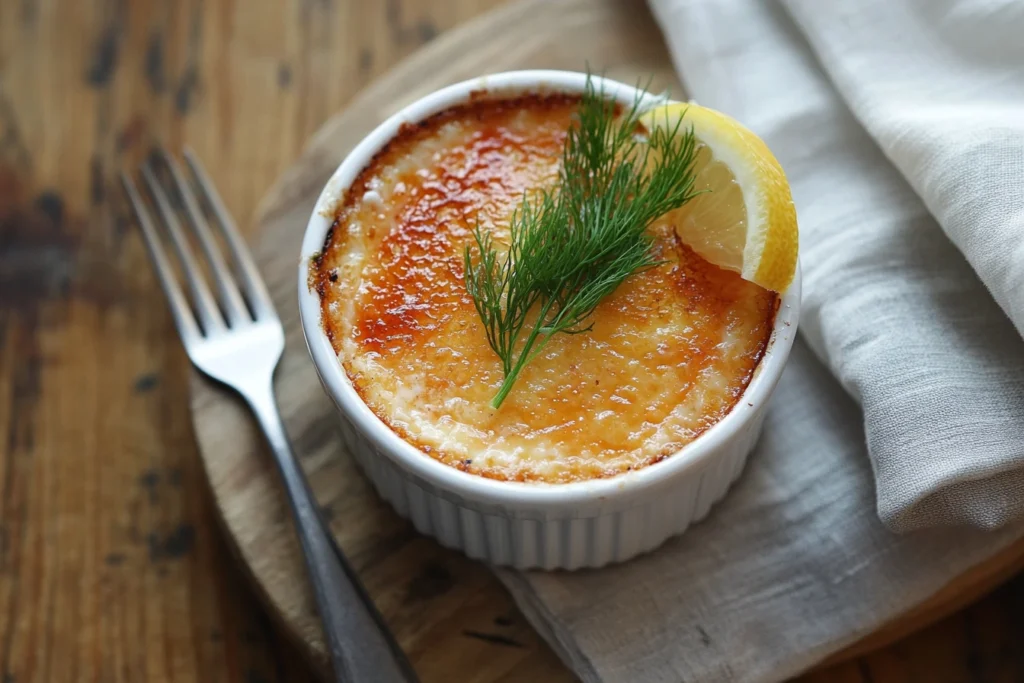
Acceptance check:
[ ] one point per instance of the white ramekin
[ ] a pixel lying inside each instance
(553, 526)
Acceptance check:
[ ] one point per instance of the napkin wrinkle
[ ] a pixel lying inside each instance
(954, 127)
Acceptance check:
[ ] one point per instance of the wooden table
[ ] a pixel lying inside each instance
(112, 565)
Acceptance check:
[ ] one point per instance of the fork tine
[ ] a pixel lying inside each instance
(202, 298)
(230, 297)
(256, 291)
(183, 319)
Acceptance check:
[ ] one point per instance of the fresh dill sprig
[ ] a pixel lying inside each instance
(572, 245)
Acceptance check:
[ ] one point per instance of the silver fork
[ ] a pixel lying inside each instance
(238, 341)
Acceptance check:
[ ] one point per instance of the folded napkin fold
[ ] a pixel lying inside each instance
(901, 127)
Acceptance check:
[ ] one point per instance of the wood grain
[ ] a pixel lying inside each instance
(113, 566)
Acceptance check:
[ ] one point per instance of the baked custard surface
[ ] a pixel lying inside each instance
(670, 352)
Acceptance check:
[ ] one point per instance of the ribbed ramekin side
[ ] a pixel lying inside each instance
(559, 539)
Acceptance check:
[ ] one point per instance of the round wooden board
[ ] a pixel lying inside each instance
(450, 614)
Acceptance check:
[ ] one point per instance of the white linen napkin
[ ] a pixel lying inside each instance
(901, 128)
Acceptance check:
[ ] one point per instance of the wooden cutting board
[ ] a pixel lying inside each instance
(450, 614)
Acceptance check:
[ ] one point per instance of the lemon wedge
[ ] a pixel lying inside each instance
(745, 220)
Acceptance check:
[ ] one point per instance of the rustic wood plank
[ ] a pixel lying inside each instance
(113, 564)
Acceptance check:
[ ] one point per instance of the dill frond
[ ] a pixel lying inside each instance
(574, 244)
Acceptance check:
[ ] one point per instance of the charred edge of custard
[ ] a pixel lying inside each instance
(317, 280)
(775, 314)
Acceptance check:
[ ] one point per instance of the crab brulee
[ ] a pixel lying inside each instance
(659, 358)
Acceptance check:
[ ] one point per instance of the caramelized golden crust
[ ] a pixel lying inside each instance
(670, 353)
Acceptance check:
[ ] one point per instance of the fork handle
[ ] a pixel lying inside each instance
(361, 646)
